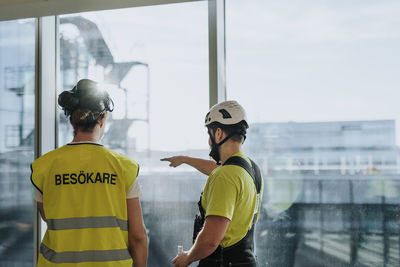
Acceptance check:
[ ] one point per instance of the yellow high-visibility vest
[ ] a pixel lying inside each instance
(84, 187)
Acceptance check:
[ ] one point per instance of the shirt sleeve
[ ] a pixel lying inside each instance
(37, 196)
(134, 191)
(221, 198)
(131, 172)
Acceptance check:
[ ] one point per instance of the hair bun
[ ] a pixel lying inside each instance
(68, 101)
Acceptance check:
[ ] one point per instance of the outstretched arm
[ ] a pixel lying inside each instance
(202, 165)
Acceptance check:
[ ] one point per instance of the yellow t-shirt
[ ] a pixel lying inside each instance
(230, 192)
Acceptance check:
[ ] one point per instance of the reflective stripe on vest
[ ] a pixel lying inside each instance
(87, 222)
(84, 256)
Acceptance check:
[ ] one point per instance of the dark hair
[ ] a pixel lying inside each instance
(68, 101)
(84, 119)
(85, 104)
(238, 130)
(86, 94)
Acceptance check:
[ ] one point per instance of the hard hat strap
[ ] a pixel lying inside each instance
(214, 153)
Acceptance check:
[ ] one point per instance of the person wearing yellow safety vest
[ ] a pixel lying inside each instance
(230, 202)
(87, 194)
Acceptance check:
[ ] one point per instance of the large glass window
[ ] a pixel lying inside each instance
(154, 62)
(320, 82)
(17, 120)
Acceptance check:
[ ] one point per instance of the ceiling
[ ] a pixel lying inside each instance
(18, 9)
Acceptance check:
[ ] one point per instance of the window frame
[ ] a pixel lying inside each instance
(47, 66)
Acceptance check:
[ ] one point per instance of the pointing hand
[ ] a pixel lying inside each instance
(175, 161)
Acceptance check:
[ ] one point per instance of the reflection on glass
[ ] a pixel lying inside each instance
(154, 63)
(17, 81)
(320, 83)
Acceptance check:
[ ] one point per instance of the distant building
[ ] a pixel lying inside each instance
(344, 147)
(17, 83)
(84, 53)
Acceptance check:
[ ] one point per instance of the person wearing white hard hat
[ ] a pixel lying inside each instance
(230, 202)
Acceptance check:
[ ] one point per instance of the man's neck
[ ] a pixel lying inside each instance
(228, 149)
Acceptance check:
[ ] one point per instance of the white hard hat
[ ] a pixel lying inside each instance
(226, 113)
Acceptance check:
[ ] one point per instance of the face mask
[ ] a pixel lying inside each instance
(214, 148)
(214, 153)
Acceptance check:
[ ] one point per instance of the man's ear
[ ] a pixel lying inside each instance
(219, 135)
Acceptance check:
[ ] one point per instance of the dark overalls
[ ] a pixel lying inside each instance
(242, 253)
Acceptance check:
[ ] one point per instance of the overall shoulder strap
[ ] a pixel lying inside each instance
(257, 174)
(253, 170)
